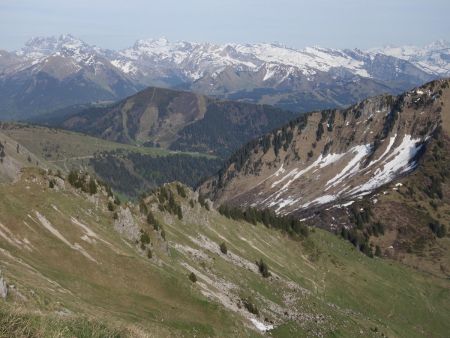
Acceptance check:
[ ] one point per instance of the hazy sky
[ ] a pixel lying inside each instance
(296, 23)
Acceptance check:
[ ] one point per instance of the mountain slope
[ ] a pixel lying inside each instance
(346, 153)
(56, 72)
(128, 169)
(177, 120)
(335, 168)
(129, 274)
(433, 58)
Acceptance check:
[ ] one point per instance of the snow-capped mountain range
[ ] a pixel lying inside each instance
(199, 59)
(297, 79)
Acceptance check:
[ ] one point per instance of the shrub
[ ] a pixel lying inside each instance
(145, 238)
(51, 183)
(263, 268)
(440, 230)
(150, 218)
(143, 207)
(111, 206)
(92, 186)
(250, 306)
(223, 248)
(116, 200)
(181, 191)
(72, 178)
(192, 277)
(378, 251)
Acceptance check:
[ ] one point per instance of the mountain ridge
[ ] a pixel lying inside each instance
(330, 134)
(177, 120)
(294, 79)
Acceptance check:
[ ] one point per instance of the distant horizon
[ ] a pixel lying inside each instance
(294, 23)
(162, 37)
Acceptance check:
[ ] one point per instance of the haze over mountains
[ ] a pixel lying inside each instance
(54, 72)
(201, 190)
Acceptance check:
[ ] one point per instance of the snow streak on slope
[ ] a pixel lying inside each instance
(400, 161)
(347, 175)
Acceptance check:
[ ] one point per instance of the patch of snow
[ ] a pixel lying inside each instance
(320, 200)
(400, 161)
(388, 149)
(359, 152)
(261, 326)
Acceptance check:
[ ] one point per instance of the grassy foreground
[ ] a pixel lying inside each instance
(80, 269)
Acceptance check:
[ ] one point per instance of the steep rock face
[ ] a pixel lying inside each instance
(335, 156)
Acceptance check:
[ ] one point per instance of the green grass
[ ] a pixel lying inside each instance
(335, 290)
(19, 323)
(60, 145)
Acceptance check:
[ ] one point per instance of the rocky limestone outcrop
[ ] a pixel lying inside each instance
(126, 225)
(3, 287)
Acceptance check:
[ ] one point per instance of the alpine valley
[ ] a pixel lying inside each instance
(250, 191)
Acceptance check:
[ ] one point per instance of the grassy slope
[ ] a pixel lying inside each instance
(323, 284)
(66, 150)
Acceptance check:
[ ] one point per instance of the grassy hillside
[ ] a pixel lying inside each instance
(176, 120)
(73, 255)
(128, 169)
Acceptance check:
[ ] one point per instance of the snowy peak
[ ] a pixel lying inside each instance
(44, 46)
(433, 58)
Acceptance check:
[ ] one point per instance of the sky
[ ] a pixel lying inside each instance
(295, 23)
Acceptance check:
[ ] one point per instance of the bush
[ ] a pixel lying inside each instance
(440, 230)
(203, 202)
(92, 186)
(116, 200)
(111, 206)
(51, 183)
(73, 179)
(150, 218)
(181, 191)
(263, 268)
(143, 207)
(250, 306)
(192, 277)
(378, 251)
(145, 238)
(223, 248)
